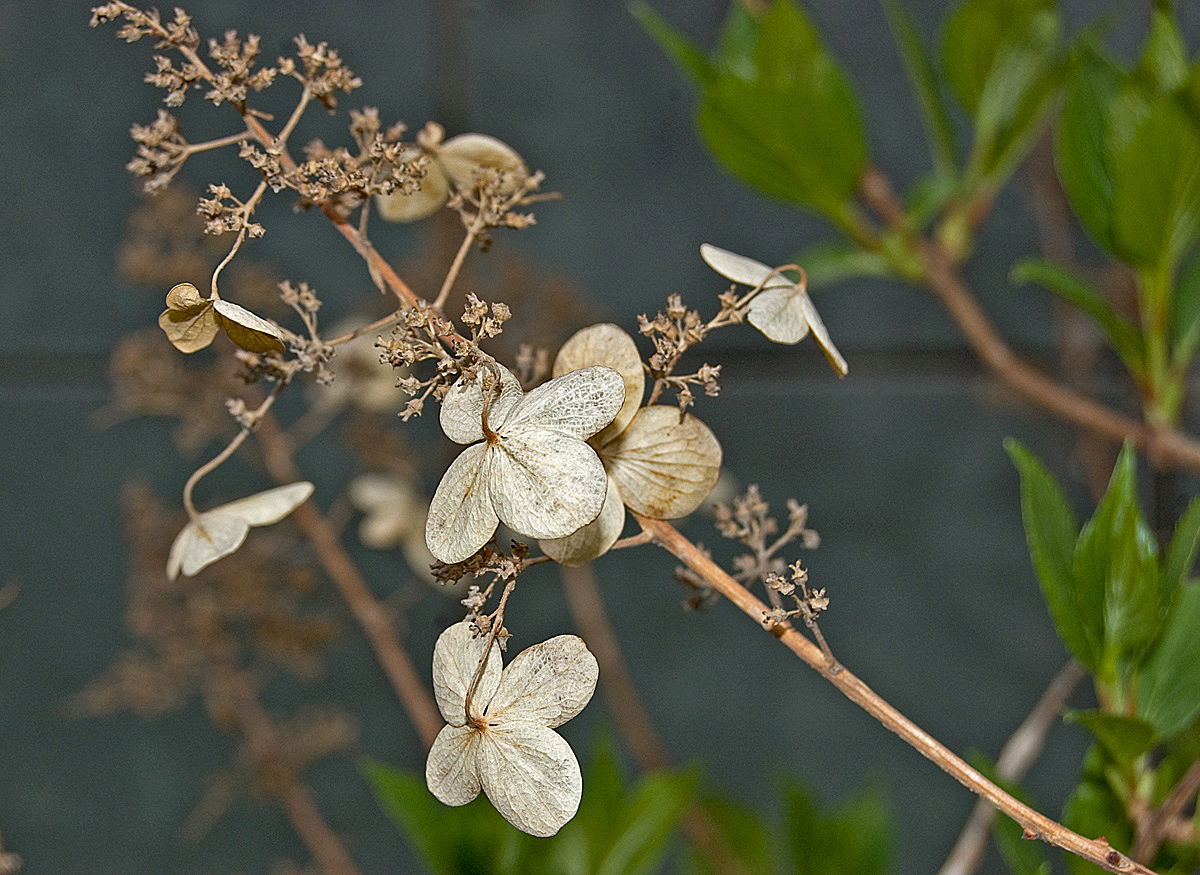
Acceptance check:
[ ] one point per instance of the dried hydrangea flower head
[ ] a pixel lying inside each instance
(782, 309)
(659, 463)
(454, 164)
(218, 532)
(191, 322)
(528, 464)
(505, 744)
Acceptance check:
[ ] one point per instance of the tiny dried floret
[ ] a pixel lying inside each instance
(528, 464)
(781, 309)
(505, 744)
(218, 532)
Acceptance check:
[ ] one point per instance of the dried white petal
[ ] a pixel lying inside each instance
(461, 516)
(545, 484)
(664, 467)
(456, 657)
(577, 404)
(531, 775)
(452, 771)
(739, 268)
(822, 336)
(462, 409)
(462, 157)
(606, 344)
(247, 330)
(220, 531)
(594, 539)
(548, 683)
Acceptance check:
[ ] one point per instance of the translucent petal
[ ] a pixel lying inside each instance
(425, 201)
(779, 314)
(463, 156)
(462, 409)
(270, 506)
(664, 467)
(531, 775)
(247, 330)
(577, 404)
(544, 484)
(189, 329)
(738, 268)
(548, 683)
(595, 538)
(456, 657)
(606, 344)
(461, 518)
(451, 771)
(822, 336)
(201, 543)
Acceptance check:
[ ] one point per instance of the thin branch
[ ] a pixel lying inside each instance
(459, 258)
(1154, 830)
(1016, 758)
(374, 619)
(1036, 825)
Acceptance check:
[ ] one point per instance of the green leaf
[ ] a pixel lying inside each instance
(925, 86)
(744, 834)
(648, 821)
(927, 196)
(1156, 182)
(856, 840)
(738, 44)
(1169, 693)
(1163, 65)
(1022, 856)
(976, 33)
(1181, 554)
(1051, 533)
(1123, 738)
(828, 263)
(687, 57)
(1185, 316)
(1122, 336)
(1094, 810)
(1080, 144)
(792, 130)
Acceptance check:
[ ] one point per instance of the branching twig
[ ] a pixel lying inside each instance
(1035, 824)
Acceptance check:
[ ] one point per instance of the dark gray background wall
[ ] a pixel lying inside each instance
(934, 602)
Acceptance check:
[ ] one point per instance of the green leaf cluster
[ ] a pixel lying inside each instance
(620, 829)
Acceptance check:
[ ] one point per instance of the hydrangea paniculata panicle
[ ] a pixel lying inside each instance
(528, 464)
(506, 745)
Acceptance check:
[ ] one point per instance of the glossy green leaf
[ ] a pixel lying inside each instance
(1121, 335)
(925, 85)
(1169, 694)
(1185, 316)
(1181, 554)
(856, 840)
(1080, 137)
(829, 263)
(1123, 738)
(1051, 533)
(1022, 856)
(686, 56)
(1163, 64)
(975, 34)
(1093, 810)
(743, 832)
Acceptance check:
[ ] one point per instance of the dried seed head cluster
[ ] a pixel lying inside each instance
(673, 332)
(749, 522)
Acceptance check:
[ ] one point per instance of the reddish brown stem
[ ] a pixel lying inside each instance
(374, 619)
(1035, 824)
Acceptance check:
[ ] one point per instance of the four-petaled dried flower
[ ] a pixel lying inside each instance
(528, 465)
(659, 462)
(191, 322)
(504, 742)
(782, 309)
(220, 531)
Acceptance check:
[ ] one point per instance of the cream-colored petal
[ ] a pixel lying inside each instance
(595, 538)
(189, 329)
(548, 683)
(201, 543)
(779, 314)
(247, 330)
(464, 156)
(185, 296)
(531, 775)
(462, 409)
(577, 404)
(456, 658)
(821, 334)
(270, 506)
(606, 344)
(433, 192)
(544, 484)
(451, 771)
(738, 268)
(461, 518)
(664, 467)
(391, 508)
